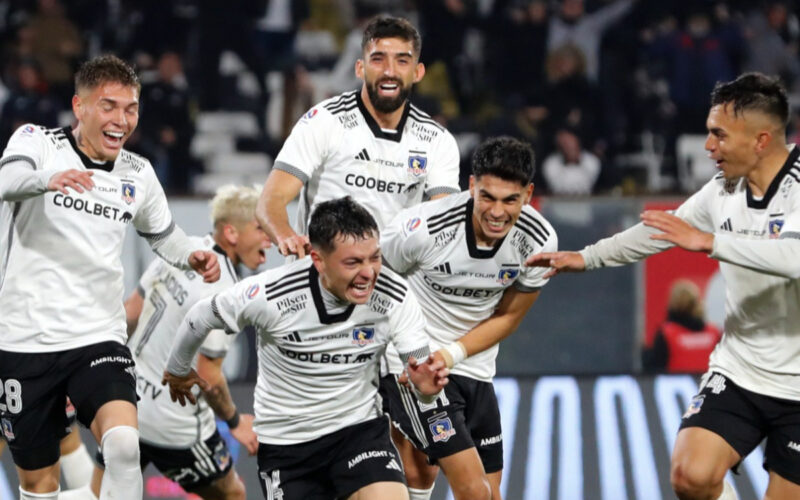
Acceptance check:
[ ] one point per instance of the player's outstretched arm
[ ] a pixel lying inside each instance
(280, 189)
(219, 399)
(677, 231)
(559, 262)
(20, 181)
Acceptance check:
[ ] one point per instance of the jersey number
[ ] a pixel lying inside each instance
(13, 392)
(159, 305)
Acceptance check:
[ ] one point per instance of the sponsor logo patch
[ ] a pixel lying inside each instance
(413, 224)
(252, 291)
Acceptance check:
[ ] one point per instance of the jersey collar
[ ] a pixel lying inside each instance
(316, 294)
(88, 163)
(775, 184)
(474, 251)
(375, 128)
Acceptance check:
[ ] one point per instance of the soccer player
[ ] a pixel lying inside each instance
(371, 143)
(322, 323)
(68, 197)
(183, 442)
(748, 218)
(464, 259)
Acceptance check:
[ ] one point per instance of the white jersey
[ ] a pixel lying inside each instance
(318, 371)
(61, 281)
(457, 283)
(168, 295)
(760, 347)
(338, 149)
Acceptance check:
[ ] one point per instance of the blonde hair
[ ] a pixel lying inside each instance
(234, 204)
(684, 298)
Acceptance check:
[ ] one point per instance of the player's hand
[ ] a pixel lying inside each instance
(559, 262)
(79, 180)
(244, 433)
(429, 376)
(436, 355)
(180, 388)
(294, 245)
(205, 263)
(677, 231)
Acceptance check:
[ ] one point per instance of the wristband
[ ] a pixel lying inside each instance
(454, 353)
(233, 422)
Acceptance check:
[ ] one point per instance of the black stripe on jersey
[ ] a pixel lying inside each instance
(530, 234)
(393, 284)
(347, 96)
(536, 222)
(319, 303)
(108, 166)
(719, 175)
(231, 269)
(432, 219)
(268, 287)
(281, 288)
(795, 173)
(287, 291)
(417, 116)
(215, 310)
(156, 237)
(9, 159)
(388, 292)
(444, 224)
(350, 107)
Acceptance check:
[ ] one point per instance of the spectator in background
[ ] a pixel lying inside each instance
(684, 341)
(56, 44)
(571, 98)
(28, 101)
(168, 126)
(570, 170)
(772, 34)
(574, 26)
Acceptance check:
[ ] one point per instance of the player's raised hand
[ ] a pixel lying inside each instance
(559, 262)
(428, 376)
(79, 180)
(244, 433)
(205, 263)
(294, 245)
(180, 388)
(677, 231)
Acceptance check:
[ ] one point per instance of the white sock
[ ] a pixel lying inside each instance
(728, 493)
(123, 477)
(419, 494)
(82, 493)
(26, 495)
(77, 468)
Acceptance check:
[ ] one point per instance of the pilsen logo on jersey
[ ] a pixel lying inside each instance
(506, 275)
(775, 226)
(128, 192)
(417, 164)
(363, 335)
(441, 427)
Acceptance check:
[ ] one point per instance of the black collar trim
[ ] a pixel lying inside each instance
(107, 166)
(316, 294)
(474, 251)
(375, 128)
(775, 184)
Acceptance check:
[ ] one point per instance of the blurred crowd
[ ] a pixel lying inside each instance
(600, 88)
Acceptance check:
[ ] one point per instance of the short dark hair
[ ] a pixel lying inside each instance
(341, 217)
(104, 69)
(504, 157)
(391, 27)
(754, 91)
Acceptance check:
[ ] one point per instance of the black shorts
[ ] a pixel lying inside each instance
(743, 418)
(192, 468)
(32, 412)
(465, 416)
(333, 466)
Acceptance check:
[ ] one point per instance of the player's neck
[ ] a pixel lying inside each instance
(227, 248)
(84, 145)
(387, 121)
(762, 176)
(481, 241)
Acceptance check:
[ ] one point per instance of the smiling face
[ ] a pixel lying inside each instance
(497, 205)
(350, 270)
(734, 141)
(389, 69)
(107, 116)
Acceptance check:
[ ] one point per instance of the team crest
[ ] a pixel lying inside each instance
(417, 165)
(506, 275)
(441, 429)
(8, 431)
(128, 192)
(413, 224)
(222, 457)
(363, 335)
(694, 406)
(775, 228)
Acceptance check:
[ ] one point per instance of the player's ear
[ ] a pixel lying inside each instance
(528, 193)
(316, 258)
(359, 68)
(419, 72)
(472, 185)
(230, 233)
(77, 106)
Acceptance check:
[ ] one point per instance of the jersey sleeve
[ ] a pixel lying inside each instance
(445, 164)
(306, 148)
(28, 144)
(696, 211)
(532, 278)
(154, 217)
(404, 241)
(217, 344)
(240, 305)
(407, 325)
